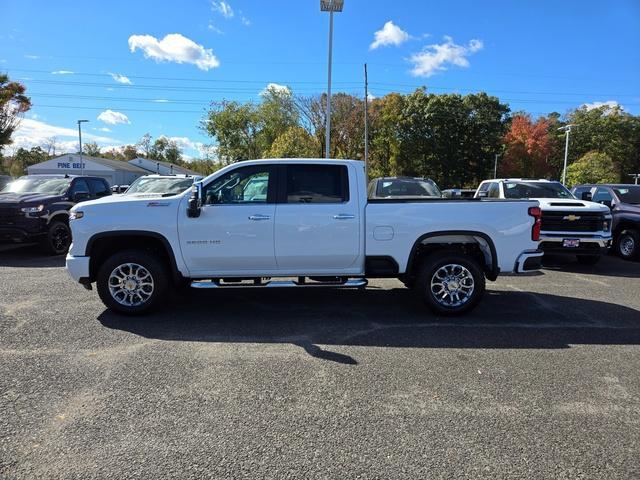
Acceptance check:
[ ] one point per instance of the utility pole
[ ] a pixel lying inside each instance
(567, 130)
(80, 122)
(330, 6)
(495, 166)
(366, 124)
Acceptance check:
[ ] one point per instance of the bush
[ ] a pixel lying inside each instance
(592, 167)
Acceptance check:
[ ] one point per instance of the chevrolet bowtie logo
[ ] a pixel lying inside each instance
(571, 218)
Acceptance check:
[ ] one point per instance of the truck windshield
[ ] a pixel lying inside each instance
(162, 186)
(407, 187)
(536, 190)
(50, 186)
(630, 194)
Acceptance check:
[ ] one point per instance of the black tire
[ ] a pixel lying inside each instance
(628, 244)
(57, 239)
(588, 259)
(436, 264)
(127, 302)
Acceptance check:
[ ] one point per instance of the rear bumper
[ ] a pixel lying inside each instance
(595, 245)
(78, 268)
(529, 261)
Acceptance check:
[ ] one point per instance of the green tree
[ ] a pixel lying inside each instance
(295, 142)
(608, 130)
(145, 144)
(91, 149)
(166, 150)
(13, 104)
(235, 127)
(23, 158)
(592, 167)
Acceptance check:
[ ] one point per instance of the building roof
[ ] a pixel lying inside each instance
(176, 168)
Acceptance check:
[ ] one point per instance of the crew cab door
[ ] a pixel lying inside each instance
(234, 233)
(317, 219)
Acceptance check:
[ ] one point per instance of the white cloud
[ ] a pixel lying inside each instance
(113, 118)
(102, 129)
(33, 133)
(215, 29)
(370, 96)
(276, 88)
(161, 100)
(245, 21)
(121, 78)
(32, 57)
(174, 47)
(390, 34)
(223, 8)
(609, 105)
(437, 57)
(62, 72)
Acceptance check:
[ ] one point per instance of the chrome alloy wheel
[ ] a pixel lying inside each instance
(627, 245)
(452, 285)
(131, 284)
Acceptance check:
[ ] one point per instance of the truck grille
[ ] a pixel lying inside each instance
(571, 222)
(9, 213)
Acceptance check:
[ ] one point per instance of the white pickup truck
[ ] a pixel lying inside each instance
(297, 223)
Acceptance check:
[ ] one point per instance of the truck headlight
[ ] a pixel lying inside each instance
(76, 215)
(36, 209)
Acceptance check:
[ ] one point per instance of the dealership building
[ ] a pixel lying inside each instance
(116, 172)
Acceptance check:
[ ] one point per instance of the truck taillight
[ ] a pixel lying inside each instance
(536, 213)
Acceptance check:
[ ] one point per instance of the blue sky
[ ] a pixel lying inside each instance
(154, 66)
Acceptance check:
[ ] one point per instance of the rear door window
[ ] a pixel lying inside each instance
(494, 190)
(316, 184)
(99, 187)
(80, 186)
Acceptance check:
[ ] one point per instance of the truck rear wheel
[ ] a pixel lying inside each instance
(450, 283)
(132, 282)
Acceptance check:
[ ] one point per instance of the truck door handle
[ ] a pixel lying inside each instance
(344, 216)
(258, 217)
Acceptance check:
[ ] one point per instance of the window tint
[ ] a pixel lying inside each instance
(494, 190)
(316, 184)
(579, 191)
(242, 185)
(484, 187)
(99, 187)
(602, 195)
(80, 186)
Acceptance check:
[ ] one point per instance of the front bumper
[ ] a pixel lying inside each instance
(78, 268)
(594, 245)
(529, 261)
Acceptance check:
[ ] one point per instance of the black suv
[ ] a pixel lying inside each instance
(624, 202)
(35, 208)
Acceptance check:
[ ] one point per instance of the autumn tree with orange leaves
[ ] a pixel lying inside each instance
(528, 146)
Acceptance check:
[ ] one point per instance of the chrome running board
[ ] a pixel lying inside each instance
(353, 283)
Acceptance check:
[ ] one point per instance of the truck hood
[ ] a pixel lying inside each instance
(129, 200)
(562, 205)
(15, 199)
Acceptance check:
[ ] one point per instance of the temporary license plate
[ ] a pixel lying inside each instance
(571, 242)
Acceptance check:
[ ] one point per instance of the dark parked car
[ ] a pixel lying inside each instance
(35, 208)
(624, 202)
(403, 187)
(459, 193)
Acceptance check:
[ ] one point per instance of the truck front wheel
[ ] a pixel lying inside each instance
(628, 244)
(57, 239)
(132, 282)
(450, 283)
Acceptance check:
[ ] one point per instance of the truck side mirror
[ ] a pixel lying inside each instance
(586, 196)
(195, 201)
(608, 203)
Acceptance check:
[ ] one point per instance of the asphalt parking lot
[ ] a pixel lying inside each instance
(541, 381)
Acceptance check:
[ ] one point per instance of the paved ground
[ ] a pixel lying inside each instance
(541, 381)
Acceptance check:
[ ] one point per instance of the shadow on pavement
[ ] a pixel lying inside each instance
(28, 256)
(382, 318)
(609, 265)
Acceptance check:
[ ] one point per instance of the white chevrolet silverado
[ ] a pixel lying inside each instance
(297, 223)
(568, 226)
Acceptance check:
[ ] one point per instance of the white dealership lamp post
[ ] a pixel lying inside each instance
(330, 6)
(80, 122)
(635, 176)
(495, 166)
(567, 130)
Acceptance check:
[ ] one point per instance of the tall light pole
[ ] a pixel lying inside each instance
(567, 130)
(635, 177)
(80, 122)
(495, 166)
(330, 6)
